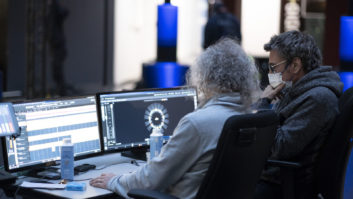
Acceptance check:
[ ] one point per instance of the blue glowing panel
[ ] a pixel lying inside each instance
(164, 74)
(348, 183)
(347, 79)
(167, 25)
(346, 39)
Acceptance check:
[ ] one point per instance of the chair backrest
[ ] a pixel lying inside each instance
(347, 180)
(240, 156)
(332, 170)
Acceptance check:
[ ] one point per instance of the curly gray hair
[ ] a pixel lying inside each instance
(222, 68)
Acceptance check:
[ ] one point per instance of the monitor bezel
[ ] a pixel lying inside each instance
(53, 162)
(99, 115)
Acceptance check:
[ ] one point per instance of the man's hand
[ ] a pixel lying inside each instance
(101, 181)
(272, 93)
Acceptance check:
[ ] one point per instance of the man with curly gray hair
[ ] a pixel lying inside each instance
(225, 68)
(225, 78)
(305, 96)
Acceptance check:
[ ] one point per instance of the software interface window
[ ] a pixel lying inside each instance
(127, 118)
(45, 124)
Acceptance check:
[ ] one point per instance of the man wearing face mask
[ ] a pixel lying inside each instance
(305, 96)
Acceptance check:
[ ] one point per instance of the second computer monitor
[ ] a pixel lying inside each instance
(126, 119)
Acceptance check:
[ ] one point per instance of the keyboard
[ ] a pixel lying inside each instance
(6, 178)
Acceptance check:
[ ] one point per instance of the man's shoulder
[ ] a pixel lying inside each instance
(321, 92)
(210, 114)
(202, 113)
(321, 96)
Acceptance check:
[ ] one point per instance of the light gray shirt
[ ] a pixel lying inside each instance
(184, 160)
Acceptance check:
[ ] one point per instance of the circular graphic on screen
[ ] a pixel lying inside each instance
(156, 116)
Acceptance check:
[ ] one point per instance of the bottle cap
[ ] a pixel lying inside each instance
(66, 141)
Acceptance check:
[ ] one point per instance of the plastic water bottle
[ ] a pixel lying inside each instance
(156, 142)
(67, 160)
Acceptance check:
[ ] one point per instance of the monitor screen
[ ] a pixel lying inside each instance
(44, 124)
(126, 119)
(8, 122)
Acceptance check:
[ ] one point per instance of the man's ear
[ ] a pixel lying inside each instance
(297, 65)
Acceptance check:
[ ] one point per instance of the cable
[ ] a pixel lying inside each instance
(135, 163)
(82, 179)
(105, 167)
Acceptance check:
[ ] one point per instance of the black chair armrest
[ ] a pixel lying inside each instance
(284, 164)
(149, 194)
(287, 176)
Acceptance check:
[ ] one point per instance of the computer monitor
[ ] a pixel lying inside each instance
(126, 119)
(44, 124)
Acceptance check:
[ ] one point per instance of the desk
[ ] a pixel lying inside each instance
(111, 163)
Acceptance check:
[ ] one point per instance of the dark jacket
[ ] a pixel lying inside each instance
(307, 112)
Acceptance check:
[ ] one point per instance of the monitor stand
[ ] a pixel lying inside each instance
(138, 154)
(6, 178)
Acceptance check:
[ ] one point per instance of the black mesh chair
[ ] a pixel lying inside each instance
(334, 170)
(240, 156)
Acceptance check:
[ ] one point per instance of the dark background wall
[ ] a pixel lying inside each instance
(90, 44)
(88, 32)
(3, 42)
(16, 54)
(334, 10)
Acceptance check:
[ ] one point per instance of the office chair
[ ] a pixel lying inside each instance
(242, 150)
(334, 169)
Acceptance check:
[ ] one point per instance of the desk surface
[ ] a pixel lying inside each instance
(112, 163)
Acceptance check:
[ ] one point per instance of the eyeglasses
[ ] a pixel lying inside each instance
(273, 66)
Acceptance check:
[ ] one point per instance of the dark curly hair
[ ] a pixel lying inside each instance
(293, 44)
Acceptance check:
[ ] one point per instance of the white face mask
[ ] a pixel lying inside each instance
(275, 79)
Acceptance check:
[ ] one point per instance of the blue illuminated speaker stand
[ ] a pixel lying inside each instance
(346, 51)
(347, 79)
(164, 74)
(167, 32)
(346, 43)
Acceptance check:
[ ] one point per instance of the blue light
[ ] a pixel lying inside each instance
(347, 79)
(346, 39)
(167, 25)
(164, 74)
